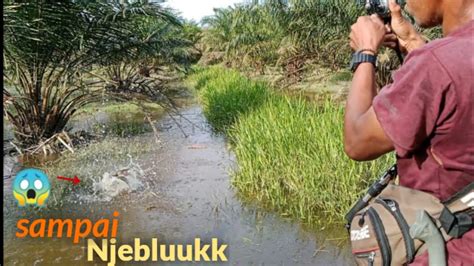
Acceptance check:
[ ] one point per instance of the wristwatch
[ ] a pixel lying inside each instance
(360, 57)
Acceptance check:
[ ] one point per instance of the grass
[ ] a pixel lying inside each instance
(226, 95)
(121, 128)
(291, 157)
(289, 151)
(343, 75)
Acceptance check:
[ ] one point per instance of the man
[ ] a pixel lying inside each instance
(426, 115)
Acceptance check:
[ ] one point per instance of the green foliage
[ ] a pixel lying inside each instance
(228, 95)
(73, 33)
(280, 32)
(200, 76)
(289, 151)
(165, 43)
(247, 34)
(318, 29)
(122, 129)
(344, 75)
(51, 48)
(289, 35)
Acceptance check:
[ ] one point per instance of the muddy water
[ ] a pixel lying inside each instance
(186, 194)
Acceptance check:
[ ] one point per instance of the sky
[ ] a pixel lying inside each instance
(197, 9)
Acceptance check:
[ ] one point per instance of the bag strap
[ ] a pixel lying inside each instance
(456, 224)
(374, 190)
(457, 216)
(462, 200)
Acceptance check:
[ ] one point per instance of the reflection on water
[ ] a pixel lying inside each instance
(181, 191)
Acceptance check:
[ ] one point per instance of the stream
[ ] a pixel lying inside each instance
(184, 192)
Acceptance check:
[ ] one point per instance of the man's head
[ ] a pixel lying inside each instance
(427, 13)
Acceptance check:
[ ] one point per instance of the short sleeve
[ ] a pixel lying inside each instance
(409, 108)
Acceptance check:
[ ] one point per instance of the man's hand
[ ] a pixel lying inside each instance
(401, 31)
(367, 33)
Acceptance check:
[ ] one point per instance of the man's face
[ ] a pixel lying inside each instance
(427, 13)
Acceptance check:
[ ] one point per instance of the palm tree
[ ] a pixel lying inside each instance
(289, 34)
(245, 33)
(165, 46)
(51, 45)
(277, 31)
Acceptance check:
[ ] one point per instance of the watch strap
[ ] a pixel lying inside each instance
(361, 57)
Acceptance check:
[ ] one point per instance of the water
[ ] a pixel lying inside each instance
(177, 192)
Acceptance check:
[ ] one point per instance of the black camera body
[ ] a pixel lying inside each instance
(379, 7)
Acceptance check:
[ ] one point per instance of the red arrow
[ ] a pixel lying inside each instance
(74, 180)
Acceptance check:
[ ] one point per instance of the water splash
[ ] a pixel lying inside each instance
(126, 180)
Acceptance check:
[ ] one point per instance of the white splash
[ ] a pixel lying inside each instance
(125, 180)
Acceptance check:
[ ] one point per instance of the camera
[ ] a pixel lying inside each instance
(379, 7)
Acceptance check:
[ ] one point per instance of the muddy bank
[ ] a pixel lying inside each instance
(185, 194)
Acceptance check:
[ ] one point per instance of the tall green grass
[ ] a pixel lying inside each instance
(226, 95)
(291, 157)
(290, 152)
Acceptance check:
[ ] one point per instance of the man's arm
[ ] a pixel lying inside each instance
(364, 138)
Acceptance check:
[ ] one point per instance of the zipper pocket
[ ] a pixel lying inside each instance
(382, 239)
(370, 257)
(392, 207)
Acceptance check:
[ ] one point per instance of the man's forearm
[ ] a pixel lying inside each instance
(364, 137)
(361, 94)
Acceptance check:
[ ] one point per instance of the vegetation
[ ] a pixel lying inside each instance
(282, 33)
(55, 52)
(289, 150)
(227, 95)
(288, 35)
(166, 46)
(61, 56)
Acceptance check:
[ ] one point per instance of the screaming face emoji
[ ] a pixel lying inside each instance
(31, 186)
